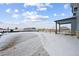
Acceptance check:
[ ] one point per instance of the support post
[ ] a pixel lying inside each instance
(56, 28)
(73, 28)
(59, 27)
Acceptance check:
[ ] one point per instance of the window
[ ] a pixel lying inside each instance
(74, 14)
(75, 9)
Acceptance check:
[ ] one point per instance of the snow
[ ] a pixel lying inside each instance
(44, 44)
(7, 39)
(28, 44)
(60, 45)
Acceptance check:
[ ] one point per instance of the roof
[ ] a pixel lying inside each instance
(74, 17)
(2, 29)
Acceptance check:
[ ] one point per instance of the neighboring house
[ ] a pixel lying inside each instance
(29, 29)
(65, 30)
(45, 30)
(74, 20)
(2, 30)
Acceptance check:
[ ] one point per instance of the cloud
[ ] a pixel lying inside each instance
(66, 6)
(29, 4)
(28, 14)
(16, 10)
(44, 5)
(15, 15)
(39, 6)
(8, 10)
(55, 14)
(62, 14)
(41, 9)
(7, 3)
(33, 16)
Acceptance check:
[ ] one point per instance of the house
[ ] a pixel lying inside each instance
(2, 30)
(74, 20)
(29, 29)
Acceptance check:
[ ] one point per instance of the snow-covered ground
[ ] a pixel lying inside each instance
(27, 44)
(60, 45)
(44, 44)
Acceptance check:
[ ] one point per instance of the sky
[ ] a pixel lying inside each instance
(39, 15)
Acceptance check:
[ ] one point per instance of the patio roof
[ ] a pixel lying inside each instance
(66, 20)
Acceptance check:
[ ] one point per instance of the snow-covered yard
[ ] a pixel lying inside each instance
(26, 44)
(60, 45)
(44, 44)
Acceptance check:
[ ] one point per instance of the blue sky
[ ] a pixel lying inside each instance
(33, 14)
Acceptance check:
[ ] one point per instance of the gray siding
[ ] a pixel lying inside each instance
(73, 26)
(77, 18)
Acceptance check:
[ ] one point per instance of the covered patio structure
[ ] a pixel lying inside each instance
(71, 20)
